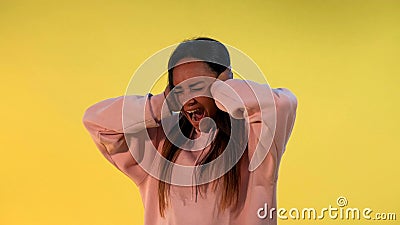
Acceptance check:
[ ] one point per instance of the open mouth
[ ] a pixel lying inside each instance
(197, 114)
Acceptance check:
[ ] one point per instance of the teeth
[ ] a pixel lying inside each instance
(192, 111)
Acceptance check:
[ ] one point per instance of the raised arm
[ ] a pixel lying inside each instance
(270, 112)
(106, 125)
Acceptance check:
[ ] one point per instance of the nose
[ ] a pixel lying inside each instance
(191, 102)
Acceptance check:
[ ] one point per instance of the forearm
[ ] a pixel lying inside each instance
(108, 120)
(243, 99)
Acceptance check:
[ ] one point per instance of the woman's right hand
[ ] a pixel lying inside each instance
(172, 103)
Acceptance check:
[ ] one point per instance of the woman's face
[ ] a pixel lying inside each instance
(191, 80)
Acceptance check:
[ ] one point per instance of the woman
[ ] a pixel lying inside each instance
(200, 81)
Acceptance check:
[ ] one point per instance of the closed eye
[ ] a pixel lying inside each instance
(197, 89)
(178, 92)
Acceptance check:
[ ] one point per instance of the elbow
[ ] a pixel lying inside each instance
(293, 103)
(86, 118)
(290, 99)
(88, 122)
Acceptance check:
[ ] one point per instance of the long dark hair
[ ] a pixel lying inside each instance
(216, 56)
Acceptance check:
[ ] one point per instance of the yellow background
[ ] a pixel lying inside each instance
(58, 57)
